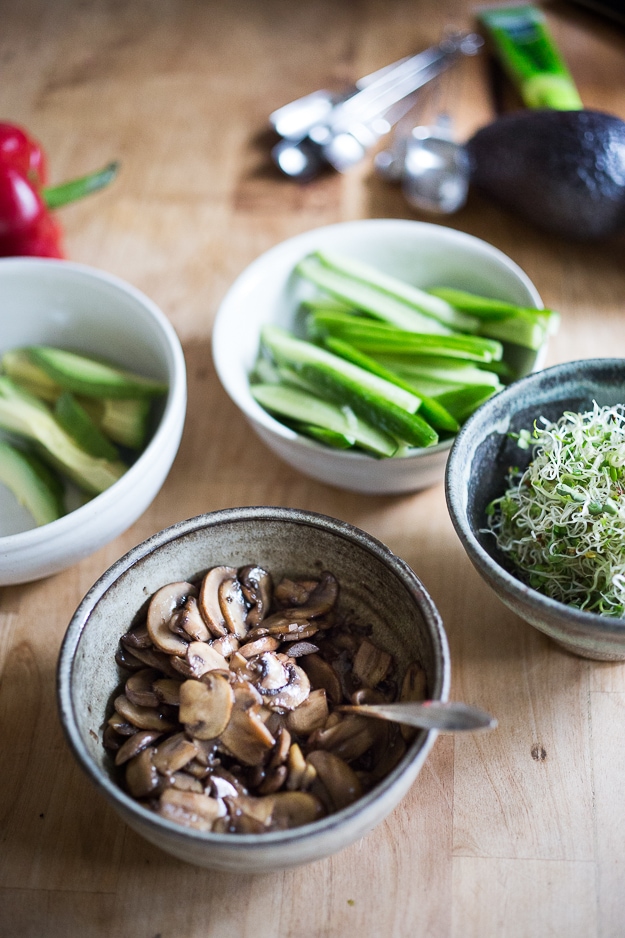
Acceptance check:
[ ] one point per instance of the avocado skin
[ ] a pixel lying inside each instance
(562, 170)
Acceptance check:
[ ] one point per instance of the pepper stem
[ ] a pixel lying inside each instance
(56, 196)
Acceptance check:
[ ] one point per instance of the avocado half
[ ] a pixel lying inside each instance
(562, 170)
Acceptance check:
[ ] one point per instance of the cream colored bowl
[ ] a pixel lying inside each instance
(268, 292)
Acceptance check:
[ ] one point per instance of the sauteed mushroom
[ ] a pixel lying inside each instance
(230, 719)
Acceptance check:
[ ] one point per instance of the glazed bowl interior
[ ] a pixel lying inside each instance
(376, 589)
(477, 473)
(269, 291)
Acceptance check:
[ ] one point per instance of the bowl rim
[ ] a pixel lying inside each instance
(416, 753)
(242, 396)
(464, 448)
(168, 425)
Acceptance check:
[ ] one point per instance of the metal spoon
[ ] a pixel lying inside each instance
(445, 716)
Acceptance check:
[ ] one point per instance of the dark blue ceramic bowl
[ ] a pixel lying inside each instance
(476, 474)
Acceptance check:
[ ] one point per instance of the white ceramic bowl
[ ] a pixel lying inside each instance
(50, 302)
(268, 292)
(376, 588)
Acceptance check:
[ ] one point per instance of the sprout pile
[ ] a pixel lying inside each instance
(561, 522)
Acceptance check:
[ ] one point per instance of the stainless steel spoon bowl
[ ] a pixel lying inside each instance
(445, 716)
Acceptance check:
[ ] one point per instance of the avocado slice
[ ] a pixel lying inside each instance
(33, 483)
(76, 421)
(90, 377)
(562, 170)
(23, 414)
(126, 422)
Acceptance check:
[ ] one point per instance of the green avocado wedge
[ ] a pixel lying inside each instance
(34, 485)
(91, 378)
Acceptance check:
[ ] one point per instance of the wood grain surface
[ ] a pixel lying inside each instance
(517, 833)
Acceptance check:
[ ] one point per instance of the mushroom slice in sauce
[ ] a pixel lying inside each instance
(246, 737)
(226, 645)
(191, 623)
(296, 764)
(139, 688)
(164, 603)
(167, 689)
(182, 781)
(206, 706)
(257, 586)
(274, 780)
(209, 599)
(295, 808)
(293, 592)
(198, 658)
(300, 649)
(281, 751)
(152, 658)
(282, 684)
(349, 739)
(190, 808)
(233, 607)
(259, 645)
(145, 718)
(339, 780)
(120, 725)
(310, 715)
(322, 674)
(141, 775)
(173, 754)
(135, 744)
(137, 637)
(371, 664)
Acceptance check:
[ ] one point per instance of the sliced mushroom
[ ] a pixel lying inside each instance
(293, 592)
(281, 750)
(296, 765)
(173, 754)
(182, 781)
(246, 736)
(322, 674)
(139, 688)
(222, 787)
(145, 718)
(190, 808)
(141, 776)
(164, 603)
(126, 660)
(167, 689)
(274, 780)
(206, 706)
(310, 715)
(226, 645)
(257, 586)
(349, 739)
(300, 649)
(152, 658)
(137, 637)
(340, 782)
(233, 607)
(282, 684)
(371, 664)
(260, 645)
(249, 814)
(323, 598)
(135, 744)
(190, 620)
(295, 808)
(198, 659)
(120, 725)
(209, 599)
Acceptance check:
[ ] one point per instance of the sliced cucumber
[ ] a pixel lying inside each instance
(305, 408)
(363, 296)
(91, 378)
(33, 484)
(430, 410)
(24, 415)
(461, 402)
(76, 421)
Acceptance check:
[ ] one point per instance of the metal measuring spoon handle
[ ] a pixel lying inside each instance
(444, 716)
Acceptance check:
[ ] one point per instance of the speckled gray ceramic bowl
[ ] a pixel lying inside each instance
(476, 473)
(379, 588)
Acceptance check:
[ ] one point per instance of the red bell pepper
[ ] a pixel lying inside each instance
(27, 226)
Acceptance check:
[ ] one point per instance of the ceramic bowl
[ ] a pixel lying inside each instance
(50, 302)
(268, 292)
(375, 586)
(476, 474)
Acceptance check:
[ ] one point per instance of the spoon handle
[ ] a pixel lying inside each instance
(445, 716)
